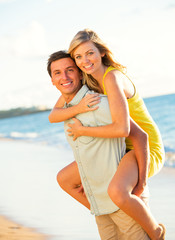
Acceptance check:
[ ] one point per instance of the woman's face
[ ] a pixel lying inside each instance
(88, 58)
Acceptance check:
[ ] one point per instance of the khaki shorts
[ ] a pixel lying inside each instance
(119, 225)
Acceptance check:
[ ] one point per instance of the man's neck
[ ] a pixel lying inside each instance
(68, 99)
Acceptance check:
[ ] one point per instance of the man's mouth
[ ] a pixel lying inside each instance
(66, 84)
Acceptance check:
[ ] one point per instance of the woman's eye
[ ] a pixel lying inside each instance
(90, 53)
(78, 57)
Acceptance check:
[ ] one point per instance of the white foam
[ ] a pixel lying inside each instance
(23, 135)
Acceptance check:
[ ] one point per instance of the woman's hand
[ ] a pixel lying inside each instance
(87, 103)
(74, 128)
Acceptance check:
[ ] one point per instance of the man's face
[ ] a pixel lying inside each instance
(66, 77)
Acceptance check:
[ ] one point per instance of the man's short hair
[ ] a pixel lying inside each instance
(56, 56)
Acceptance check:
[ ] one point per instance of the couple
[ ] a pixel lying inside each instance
(112, 176)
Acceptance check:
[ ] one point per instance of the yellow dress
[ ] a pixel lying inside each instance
(139, 113)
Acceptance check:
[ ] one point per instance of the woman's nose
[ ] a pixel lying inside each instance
(85, 59)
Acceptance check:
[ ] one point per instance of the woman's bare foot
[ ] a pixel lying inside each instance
(162, 236)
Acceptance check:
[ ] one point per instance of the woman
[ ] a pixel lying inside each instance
(104, 75)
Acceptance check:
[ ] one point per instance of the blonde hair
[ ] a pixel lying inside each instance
(107, 59)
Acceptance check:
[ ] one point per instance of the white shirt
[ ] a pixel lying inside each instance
(97, 158)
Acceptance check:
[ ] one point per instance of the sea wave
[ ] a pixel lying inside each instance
(170, 159)
(23, 135)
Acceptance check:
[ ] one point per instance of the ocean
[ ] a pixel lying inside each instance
(37, 128)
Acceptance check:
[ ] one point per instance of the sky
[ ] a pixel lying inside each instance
(140, 34)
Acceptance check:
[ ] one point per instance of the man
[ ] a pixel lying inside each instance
(97, 158)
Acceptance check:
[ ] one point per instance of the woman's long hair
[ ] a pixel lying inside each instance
(107, 59)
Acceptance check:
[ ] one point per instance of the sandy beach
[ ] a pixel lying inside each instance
(31, 198)
(13, 231)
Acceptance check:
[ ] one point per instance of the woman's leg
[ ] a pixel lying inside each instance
(120, 191)
(69, 180)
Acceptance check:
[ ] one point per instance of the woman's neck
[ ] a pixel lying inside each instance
(98, 75)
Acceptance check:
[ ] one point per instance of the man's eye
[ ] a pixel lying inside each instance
(90, 53)
(57, 73)
(70, 70)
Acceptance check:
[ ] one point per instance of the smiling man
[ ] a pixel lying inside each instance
(64, 74)
(97, 158)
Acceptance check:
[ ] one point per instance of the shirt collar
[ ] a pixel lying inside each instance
(80, 94)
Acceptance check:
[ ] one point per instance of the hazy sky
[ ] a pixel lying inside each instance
(140, 34)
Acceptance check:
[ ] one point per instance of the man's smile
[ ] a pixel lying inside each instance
(66, 84)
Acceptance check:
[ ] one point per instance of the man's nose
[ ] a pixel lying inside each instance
(64, 75)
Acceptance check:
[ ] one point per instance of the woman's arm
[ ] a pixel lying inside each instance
(60, 114)
(120, 126)
(139, 140)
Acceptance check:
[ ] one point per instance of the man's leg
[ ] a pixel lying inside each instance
(69, 180)
(106, 227)
(128, 228)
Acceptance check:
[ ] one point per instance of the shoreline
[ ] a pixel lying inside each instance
(10, 230)
(169, 156)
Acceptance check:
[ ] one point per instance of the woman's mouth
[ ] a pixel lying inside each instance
(88, 66)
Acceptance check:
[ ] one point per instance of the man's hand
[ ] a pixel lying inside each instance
(81, 190)
(138, 189)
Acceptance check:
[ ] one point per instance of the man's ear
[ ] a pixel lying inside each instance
(52, 81)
